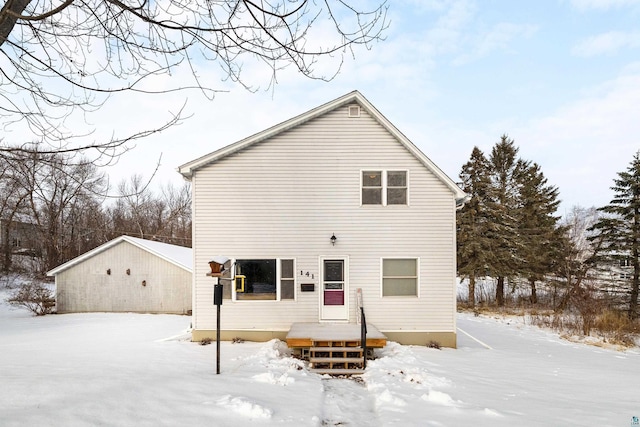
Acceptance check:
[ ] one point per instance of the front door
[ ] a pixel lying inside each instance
(335, 289)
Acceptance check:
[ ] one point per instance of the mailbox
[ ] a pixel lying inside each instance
(217, 294)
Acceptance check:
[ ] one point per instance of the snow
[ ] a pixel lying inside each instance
(102, 369)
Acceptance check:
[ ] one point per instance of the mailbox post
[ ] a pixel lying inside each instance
(217, 300)
(218, 265)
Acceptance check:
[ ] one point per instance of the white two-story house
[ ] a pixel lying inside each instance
(312, 211)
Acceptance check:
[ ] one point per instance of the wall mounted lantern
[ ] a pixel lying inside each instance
(333, 239)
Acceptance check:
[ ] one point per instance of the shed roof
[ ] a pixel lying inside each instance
(178, 255)
(189, 168)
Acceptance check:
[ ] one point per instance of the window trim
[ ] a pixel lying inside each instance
(278, 280)
(417, 277)
(385, 186)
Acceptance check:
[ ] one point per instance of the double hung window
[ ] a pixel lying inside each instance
(384, 187)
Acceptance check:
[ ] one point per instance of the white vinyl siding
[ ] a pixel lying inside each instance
(284, 197)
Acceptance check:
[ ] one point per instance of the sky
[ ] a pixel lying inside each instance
(559, 77)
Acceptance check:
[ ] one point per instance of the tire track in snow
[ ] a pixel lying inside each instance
(347, 402)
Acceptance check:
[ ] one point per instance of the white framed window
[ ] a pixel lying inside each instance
(400, 277)
(371, 187)
(384, 187)
(264, 279)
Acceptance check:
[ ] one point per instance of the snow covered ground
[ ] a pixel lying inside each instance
(141, 370)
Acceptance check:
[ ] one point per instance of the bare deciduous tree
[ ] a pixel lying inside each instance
(141, 213)
(58, 191)
(61, 56)
(576, 266)
(12, 201)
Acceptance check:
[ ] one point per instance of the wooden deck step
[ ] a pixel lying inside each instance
(337, 349)
(338, 371)
(336, 360)
(303, 335)
(336, 357)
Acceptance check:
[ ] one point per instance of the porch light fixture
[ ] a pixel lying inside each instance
(333, 239)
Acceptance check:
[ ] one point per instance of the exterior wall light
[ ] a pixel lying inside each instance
(333, 239)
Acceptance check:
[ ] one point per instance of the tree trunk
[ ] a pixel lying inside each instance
(472, 291)
(500, 291)
(9, 17)
(534, 295)
(633, 298)
(6, 247)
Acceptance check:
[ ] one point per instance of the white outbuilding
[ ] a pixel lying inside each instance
(126, 274)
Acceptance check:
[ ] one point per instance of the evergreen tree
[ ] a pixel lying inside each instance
(474, 222)
(540, 238)
(505, 168)
(619, 228)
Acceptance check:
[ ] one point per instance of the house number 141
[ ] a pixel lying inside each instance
(302, 273)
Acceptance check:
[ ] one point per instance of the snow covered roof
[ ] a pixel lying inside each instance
(178, 255)
(189, 168)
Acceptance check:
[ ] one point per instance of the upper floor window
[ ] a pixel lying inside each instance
(384, 187)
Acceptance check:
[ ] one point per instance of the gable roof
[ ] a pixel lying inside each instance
(189, 168)
(177, 255)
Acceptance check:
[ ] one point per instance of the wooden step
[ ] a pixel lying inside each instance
(323, 371)
(335, 360)
(337, 349)
(336, 357)
(336, 343)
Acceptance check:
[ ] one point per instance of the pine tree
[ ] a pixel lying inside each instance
(619, 228)
(505, 168)
(540, 238)
(473, 221)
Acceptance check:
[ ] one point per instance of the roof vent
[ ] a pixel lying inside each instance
(354, 111)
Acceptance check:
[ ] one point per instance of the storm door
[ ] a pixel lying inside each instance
(335, 290)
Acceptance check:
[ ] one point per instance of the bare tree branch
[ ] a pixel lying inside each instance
(63, 58)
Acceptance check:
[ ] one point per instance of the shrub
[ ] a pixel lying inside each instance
(35, 297)
(434, 344)
(206, 341)
(617, 327)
